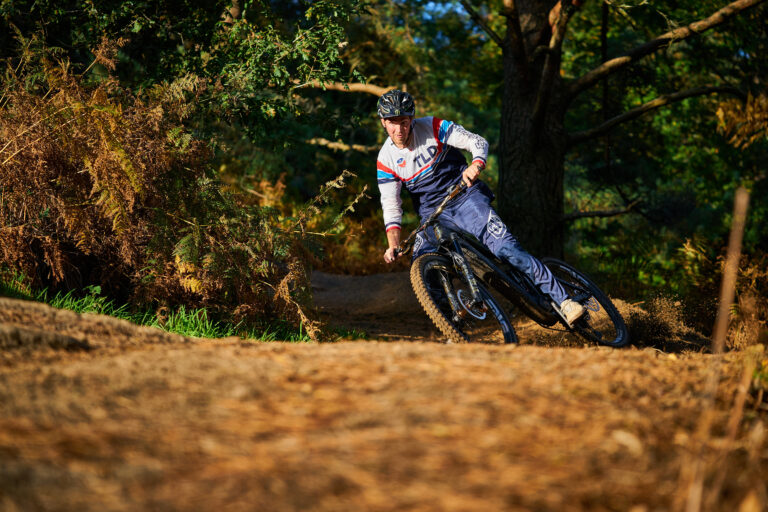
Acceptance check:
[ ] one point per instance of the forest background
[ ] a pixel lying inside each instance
(208, 155)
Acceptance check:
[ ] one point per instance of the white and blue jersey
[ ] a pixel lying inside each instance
(428, 167)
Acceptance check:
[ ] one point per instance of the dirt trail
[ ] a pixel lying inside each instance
(97, 414)
(382, 305)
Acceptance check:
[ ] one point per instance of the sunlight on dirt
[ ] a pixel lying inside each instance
(97, 414)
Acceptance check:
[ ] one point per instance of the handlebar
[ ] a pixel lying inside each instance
(452, 193)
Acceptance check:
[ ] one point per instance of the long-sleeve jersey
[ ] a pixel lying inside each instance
(428, 167)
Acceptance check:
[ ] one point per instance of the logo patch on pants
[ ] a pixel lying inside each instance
(418, 243)
(495, 226)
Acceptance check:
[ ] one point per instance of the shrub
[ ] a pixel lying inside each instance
(700, 277)
(101, 187)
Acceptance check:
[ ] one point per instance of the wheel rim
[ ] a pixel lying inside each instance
(601, 323)
(483, 326)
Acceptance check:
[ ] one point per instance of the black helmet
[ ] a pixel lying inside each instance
(396, 103)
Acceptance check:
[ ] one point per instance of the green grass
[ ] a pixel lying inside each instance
(12, 285)
(193, 322)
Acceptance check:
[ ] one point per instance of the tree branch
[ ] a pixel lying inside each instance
(480, 21)
(601, 213)
(673, 36)
(551, 65)
(341, 146)
(337, 86)
(579, 137)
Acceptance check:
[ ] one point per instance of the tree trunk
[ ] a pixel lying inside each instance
(530, 193)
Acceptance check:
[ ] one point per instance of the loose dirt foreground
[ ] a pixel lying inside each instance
(97, 414)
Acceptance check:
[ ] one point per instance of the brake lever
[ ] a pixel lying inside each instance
(402, 250)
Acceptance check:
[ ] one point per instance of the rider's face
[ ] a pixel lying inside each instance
(398, 129)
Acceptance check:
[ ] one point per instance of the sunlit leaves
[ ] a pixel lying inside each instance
(744, 122)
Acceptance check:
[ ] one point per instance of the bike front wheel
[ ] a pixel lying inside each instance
(433, 277)
(602, 323)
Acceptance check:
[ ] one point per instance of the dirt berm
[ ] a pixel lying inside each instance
(99, 415)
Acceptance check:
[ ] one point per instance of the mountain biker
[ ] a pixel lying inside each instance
(424, 154)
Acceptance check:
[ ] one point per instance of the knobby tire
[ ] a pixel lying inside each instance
(496, 327)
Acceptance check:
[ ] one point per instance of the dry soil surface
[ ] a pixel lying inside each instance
(98, 414)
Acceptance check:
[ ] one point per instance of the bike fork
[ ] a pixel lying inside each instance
(452, 299)
(462, 266)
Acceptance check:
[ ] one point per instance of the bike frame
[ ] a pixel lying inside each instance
(497, 274)
(508, 281)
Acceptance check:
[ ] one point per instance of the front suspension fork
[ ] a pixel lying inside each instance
(462, 266)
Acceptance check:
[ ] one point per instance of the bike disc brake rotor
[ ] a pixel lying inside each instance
(465, 299)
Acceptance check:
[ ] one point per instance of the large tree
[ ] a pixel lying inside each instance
(533, 137)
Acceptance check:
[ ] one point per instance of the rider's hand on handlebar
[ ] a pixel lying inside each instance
(471, 173)
(391, 254)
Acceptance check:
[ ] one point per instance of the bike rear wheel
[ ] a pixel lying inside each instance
(602, 323)
(430, 273)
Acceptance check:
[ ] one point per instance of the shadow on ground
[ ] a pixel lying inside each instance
(385, 307)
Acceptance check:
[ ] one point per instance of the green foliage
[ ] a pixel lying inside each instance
(129, 200)
(673, 164)
(246, 69)
(219, 224)
(102, 188)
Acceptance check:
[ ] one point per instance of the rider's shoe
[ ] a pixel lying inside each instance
(572, 310)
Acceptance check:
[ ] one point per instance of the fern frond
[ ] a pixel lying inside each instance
(186, 249)
(113, 209)
(191, 284)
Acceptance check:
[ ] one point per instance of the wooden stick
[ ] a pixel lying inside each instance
(693, 471)
(732, 430)
(730, 273)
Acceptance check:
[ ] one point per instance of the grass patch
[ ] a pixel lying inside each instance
(12, 285)
(192, 322)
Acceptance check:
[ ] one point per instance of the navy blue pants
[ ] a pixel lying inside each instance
(473, 213)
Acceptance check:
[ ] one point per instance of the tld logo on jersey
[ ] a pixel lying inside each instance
(422, 159)
(401, 162)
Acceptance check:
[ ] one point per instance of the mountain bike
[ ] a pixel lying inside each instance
(468, 292)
